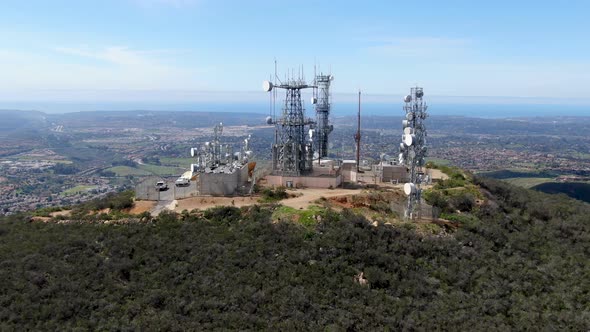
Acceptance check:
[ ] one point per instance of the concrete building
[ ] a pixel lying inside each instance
(324, 174)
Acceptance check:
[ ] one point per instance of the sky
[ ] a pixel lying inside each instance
(214, 50)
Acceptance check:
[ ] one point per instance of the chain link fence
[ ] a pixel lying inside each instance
(425, 212)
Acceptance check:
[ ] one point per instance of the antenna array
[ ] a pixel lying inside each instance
(413, 149)
(292, 151)
(218, 157)
(321, 100)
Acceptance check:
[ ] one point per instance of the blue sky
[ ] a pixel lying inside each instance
(205, 50)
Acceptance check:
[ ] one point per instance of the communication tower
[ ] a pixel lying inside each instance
(217, 157)
(292, 151)
(357, 136)
(322, 102)
(413, 149)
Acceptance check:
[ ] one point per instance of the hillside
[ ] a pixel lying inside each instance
(517, 262)
(577, 190)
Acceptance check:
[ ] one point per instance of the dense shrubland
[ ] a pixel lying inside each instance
(521, 263)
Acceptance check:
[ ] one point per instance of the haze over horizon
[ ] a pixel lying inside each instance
(189, 52)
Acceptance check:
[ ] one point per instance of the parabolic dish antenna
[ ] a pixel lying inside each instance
(409, 188)
(267, 86)
(269, 120)
(409, 139)
(408, 98)
(407, 131)
(192, 152)
(419, 93)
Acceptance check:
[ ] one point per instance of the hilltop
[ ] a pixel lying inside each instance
(516, 260)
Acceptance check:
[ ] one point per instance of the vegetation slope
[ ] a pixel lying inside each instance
(518, 262)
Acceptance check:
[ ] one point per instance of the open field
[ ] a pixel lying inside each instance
(77, 189)
(527, 182)
(162, 170)
(145, 169)
(126, 170)
(179, 162)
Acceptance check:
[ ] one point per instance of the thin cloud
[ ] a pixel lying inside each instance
(169, 3)
(418, 47)
(125, 69)
(116, 55)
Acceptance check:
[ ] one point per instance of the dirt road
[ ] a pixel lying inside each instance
(311, 195)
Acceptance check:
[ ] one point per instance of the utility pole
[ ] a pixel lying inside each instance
(357, 136)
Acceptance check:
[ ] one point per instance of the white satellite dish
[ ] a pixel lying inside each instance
(408, 98)
(267, 86)
(402, 146)
(406, 123)
(410, 116)
(419, 93)
(409, 139)
(407, 131)
(192, 152)
(269, 120)
(409, 188)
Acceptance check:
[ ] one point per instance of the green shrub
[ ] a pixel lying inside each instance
(270, 195)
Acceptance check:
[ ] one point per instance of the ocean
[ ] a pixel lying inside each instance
(338, 109)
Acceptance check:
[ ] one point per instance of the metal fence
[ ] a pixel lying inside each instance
(426, 212)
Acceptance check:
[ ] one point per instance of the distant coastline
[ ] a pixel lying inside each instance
(339, 109)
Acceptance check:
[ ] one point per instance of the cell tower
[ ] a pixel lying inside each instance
(357, 136)
(292, 151)
(322, 102)
(413, 149)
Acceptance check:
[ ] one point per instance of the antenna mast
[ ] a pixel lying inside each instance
(413, 149)
(292, 151)
(321, 100)
(357, 136)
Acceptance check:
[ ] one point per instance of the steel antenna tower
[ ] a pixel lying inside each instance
(357, 136)
(292, 151)
(322, 102)
(413, 149)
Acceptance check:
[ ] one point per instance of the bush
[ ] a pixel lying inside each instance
(270, 195)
